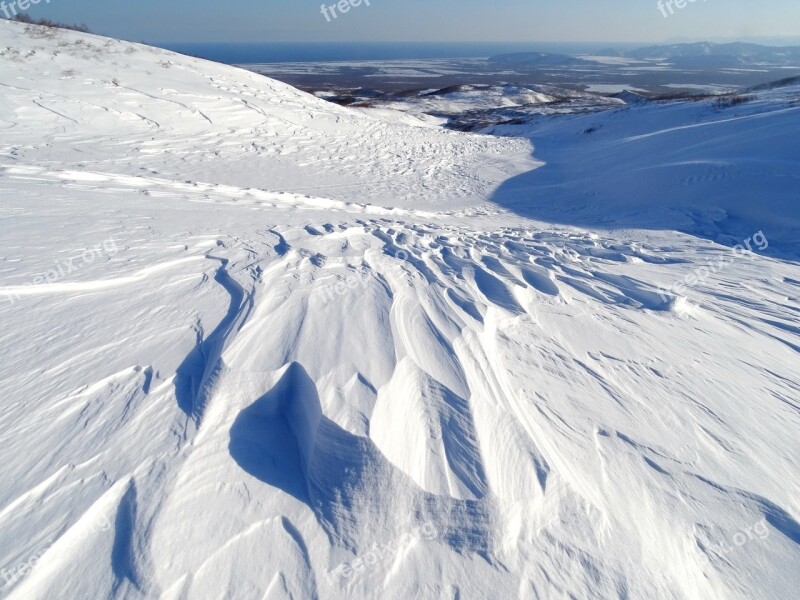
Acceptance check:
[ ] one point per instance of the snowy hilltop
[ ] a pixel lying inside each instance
(257, 345)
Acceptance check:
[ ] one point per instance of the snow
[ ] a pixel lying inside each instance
(708, 88)
(472, 98)
(304, 351)
(611, 88)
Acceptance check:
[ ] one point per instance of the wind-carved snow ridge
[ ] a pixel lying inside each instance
(202, 363)
(323, 365)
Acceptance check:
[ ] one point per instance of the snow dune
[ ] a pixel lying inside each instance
(324, 363)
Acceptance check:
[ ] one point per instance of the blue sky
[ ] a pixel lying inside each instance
(428, 20)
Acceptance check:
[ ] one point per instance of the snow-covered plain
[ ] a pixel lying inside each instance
(255, 345)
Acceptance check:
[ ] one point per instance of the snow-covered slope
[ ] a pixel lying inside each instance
(718, 169)
(259, 346)
(181, 119)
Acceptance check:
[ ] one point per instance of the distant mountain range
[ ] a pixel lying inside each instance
(700, 55)
(707, 54)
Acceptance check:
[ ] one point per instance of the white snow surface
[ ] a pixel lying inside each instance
(471, 98)
(255, 345)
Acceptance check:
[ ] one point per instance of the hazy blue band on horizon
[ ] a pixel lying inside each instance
(248, 53)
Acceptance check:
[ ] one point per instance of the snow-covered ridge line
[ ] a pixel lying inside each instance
(153, 102)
